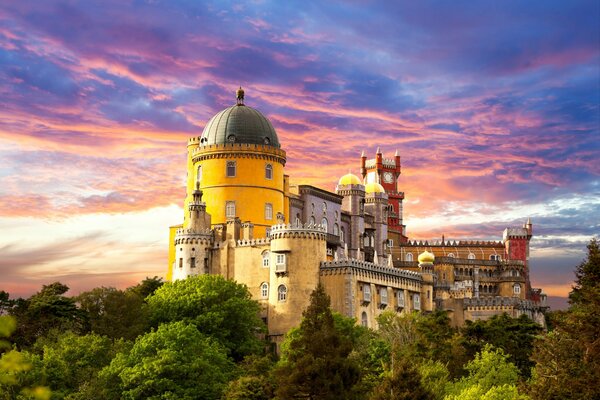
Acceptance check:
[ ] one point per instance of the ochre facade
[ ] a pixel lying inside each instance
(244, 221)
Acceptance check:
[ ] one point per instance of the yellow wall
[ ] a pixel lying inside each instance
(249, 189)
(172, 231)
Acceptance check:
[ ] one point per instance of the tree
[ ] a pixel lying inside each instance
(174, 362)
(490, 374)
(513, 335)
(73, 361)
(13, 367)
(148, 286)
(45, 311)
(115, 313)
(568, 358)
(402, 383)
(255, 381)
(220, 308)
(314, 364)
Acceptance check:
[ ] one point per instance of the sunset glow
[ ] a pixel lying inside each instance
(493, 107)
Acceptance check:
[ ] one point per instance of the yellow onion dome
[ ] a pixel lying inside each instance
(426, 257)
(349, 179)
(374, 187)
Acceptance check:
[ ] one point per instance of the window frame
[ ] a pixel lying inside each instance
(228, 164)
(228, 204)
(282, 293)
(264, 290)
(268, 211)
(269, 172)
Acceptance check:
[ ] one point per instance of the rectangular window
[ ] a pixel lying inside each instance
(193, 262)
(268, 211)
(280, 264)
(400, 298)
(269, 171)
(383, 294)
(230, 169)
(206, 265)
(367, 292)
(230, 209)
(417, 302)
(181, 263)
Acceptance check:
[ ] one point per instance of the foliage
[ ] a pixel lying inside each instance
(174, 362)
(255, 382)
(147, 287)
(568, 358)
(220, 308)
(44, 311)
(402, 383)
(13, 367)
(73, 361)
(490, 369)
(315, 363)
(115, 313)
(434, 377)
(513, 335)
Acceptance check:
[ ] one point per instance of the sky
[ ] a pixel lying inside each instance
(494, 107)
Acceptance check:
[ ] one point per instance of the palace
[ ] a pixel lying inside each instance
(244, 221)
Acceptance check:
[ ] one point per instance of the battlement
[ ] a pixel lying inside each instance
(369, 267)
(193, 141)
(515, 233)
(205, 151)
(459, 243)
(253, 242)
(185, 235)
(313, 231)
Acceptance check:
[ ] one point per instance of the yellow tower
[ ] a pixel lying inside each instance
(238, 164)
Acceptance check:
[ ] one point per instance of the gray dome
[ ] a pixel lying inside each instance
(239, 124)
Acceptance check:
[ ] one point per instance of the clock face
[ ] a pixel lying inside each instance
(388, 177)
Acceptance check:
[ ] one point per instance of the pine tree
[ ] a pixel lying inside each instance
(315, 363)
(568, 358)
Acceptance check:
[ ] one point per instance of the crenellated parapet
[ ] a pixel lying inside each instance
(190, 236)
(249, 150)
(454, 243)
(306, 231)
(253, 242)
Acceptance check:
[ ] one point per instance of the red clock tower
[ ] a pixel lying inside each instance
(386, 172)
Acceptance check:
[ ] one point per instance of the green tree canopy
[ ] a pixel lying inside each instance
(568, 358)
(46, 310)
(115, 313)
(220, 308)
(315, 364)
(174, 362)
(513, 335)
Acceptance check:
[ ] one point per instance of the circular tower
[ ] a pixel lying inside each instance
(238, 164)
(296, 254)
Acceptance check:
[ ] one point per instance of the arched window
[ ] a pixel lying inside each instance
(366, 292)
(342, 234)
(324, 207)
(451, 255)
(324, 223)
(230, 209)
(364, 321)
(230, 169)
(336, 229)
(268, 211)
(336, 215)
(495, 257)
(269, 171)
(471, 256)
(265, 259)
(298, 220)
(400, 298)
(517, 288)
(264, 290)
(312, 221)
(281, 293)
(408, 257)
(366, 241)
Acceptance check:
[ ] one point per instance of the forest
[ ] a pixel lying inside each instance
(202, 338)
